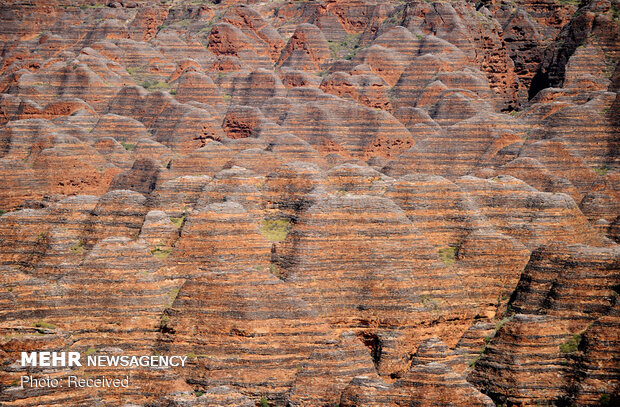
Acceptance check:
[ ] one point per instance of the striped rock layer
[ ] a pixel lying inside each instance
(318, 203)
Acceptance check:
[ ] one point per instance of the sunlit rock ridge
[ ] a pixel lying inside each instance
(320, 203)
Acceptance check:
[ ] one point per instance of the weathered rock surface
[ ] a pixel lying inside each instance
(319, 203)
(565, 314)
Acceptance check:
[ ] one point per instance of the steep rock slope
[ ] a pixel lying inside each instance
(319, 203)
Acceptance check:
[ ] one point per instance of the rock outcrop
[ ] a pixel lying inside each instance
(318, 203)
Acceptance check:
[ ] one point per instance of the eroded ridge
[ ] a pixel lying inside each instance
(317, 203)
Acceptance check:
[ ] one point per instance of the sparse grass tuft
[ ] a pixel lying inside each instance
(178, 222)
(430, 302)
(602, 171)
(502, 322)
(154, 85)
(90, 351)
(571, 345)
(142, 77)
(347, 48)
(264, 402)
(569, 2)
(276, 230)
(172, 295)
(44, 325)
(396, 18)
(87, 6)
(128, 146)
(448, 254)
(161, 252)
(475, 360)
(277, 271)
(186, 22)
(78, 248)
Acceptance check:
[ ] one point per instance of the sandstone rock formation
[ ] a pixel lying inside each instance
(318, 203)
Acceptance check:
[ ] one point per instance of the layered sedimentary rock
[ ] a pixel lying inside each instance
(319, 203)
(566, 316)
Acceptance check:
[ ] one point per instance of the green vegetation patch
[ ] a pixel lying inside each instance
(396, 18)
(128, 146)
(142, 77)
(347, 48)
(430, 302)
(186, 22)
(44, 325)
(133, 71)
(501, 323)
(172, 295)
(154, 85)
(87, 6)
(161, 252)
(276, 230)
(78, 248)
(90, 351)
(569, 2)
(264, 402)
(448, 254)
(277, 271)
(571, 345)
(602, 171)
(178, 222)
(472, 363)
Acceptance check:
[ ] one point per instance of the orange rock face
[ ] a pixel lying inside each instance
(316, 203)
